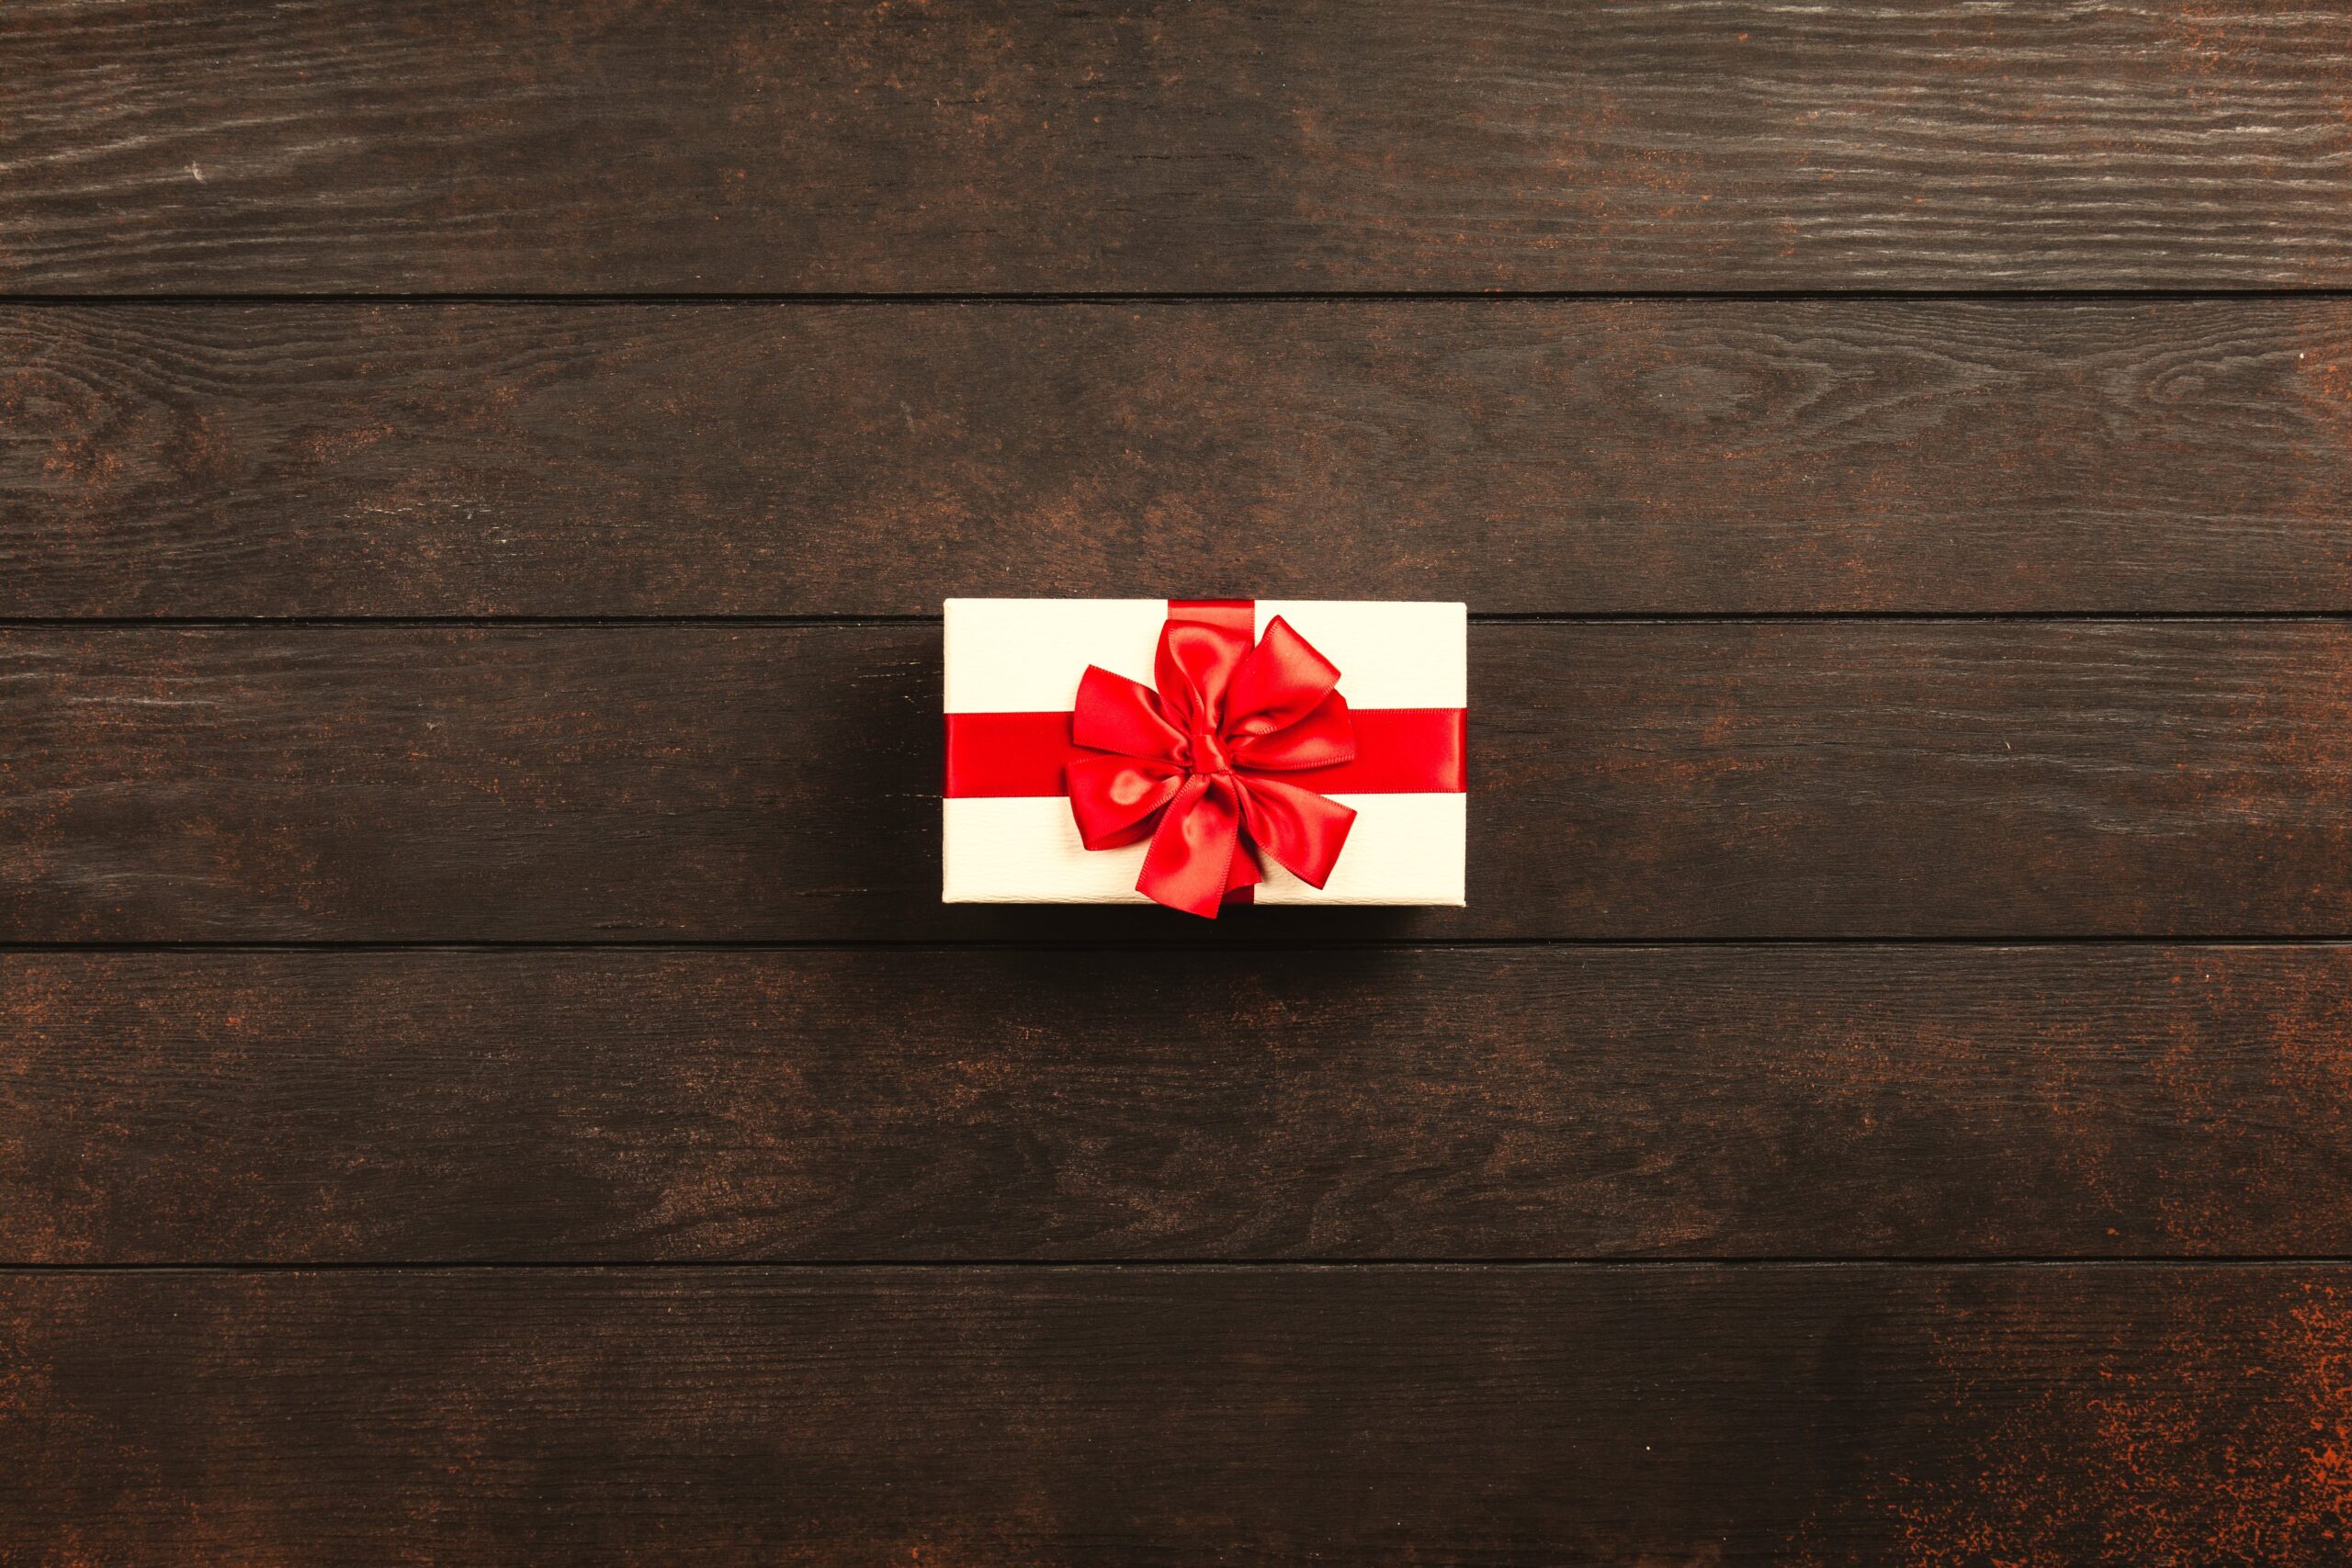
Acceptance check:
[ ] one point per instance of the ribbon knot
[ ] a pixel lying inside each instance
(1190, 766)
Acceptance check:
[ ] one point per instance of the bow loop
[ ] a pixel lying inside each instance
(1195, 662)
(1281, 682)
(1324, 738)
(1116, 714)
(1181, 765)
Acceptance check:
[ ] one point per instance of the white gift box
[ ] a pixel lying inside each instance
(1012, 671)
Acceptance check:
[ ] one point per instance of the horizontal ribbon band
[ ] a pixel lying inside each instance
(1398, 751)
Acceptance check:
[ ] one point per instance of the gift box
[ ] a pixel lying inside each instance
(1202, 753)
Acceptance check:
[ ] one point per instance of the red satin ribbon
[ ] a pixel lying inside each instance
(1192, 766)
(1398, 751)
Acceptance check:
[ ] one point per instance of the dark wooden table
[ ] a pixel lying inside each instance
(485, 1078)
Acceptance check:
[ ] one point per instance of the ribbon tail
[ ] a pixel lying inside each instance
(1302, 832)
(1196, 856)
(1246, 872)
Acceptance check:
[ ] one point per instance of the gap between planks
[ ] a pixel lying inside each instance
(1194, 296)
(1176, 943)
(1825, 1262)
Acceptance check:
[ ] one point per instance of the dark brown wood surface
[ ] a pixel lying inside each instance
(1527, 456)
(485, 1078)
(2118, 1415)
(171, 146)
(179, 1107)
(1629, 781)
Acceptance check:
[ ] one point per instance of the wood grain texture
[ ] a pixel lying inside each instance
(1937, 1417)
(1744, 779)
(1381, 144)
(1526, 456)
(1102, 1094)
(532, 1106)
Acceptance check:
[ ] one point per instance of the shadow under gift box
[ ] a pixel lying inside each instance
(1013, 672)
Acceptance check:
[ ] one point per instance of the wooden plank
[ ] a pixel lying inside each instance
(533, 1106)
(2084, 1415)
(1383, 145)
(1526, 456)
(1707, 779)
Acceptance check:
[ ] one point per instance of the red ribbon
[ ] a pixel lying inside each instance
(1190, 766)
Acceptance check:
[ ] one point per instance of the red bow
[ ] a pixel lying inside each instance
(1192, 762)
